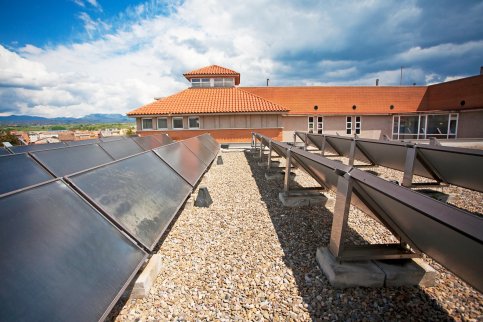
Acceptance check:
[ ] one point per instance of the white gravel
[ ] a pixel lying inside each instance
(248, 258)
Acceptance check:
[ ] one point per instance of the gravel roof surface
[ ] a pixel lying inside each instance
(249, 258)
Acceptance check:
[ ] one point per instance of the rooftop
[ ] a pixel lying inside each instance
(249, 258)
(209, 101)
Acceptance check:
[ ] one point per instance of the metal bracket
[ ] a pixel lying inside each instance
(337, 247)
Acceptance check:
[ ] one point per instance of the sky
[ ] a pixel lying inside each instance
(78, 57)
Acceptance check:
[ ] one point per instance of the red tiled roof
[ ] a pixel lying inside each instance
(341, 99)
(209, 100)
(211, 71)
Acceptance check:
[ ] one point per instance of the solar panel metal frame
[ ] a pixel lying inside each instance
(111, 138)
(457, 166)
(127, 146)
(465, 227)
(16, 149)
(4, 151)
(177, 165)
(82, 142)
(318, 141)
(343, 145)
(105, 312)
(26, 160)
(114, 219)
(50, 159)
(392, 155)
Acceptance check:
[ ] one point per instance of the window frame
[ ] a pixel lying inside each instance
(348, 125)
(162, 118)
(310, 129)
(177, 118)
(358, 125)
(142, 123)
(189, 125)
(423, 126)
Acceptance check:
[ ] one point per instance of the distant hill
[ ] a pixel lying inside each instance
(90, 119)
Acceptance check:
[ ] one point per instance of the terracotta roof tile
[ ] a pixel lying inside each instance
(341, 99)
(209, 100)
(213, 70)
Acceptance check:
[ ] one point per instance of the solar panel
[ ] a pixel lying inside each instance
(19, 171)
(141, 193)
(342, 145)
(4, 151)
(183, 161)
(35, 147)
(121, 148)
(112, 138)
(82, 142)
(163, 138)
(69, 160)
(147, 142)
(457, 166)
(200, 150)
(61, 260)
(451, 236)
(391, 155)
(317, 140)
(210, 143)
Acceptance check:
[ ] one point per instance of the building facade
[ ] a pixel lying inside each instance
(214, 103)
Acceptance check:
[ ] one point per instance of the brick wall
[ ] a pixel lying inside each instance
(221, 135)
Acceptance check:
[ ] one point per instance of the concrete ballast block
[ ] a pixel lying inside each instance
(407, 272)
(203, 199)
(304, 198)
(349, 274)
(146, 279)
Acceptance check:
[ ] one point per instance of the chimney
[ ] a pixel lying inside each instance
(267, 81)
(481, 70)
(377, 81)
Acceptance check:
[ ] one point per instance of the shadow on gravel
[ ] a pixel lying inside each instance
(300, 231)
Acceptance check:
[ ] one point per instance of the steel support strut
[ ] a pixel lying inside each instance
(286, 181)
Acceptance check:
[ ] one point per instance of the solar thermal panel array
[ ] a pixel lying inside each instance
(456, 166)
(451, 236)
(70, 245)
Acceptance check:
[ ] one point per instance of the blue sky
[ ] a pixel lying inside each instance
(76, 57)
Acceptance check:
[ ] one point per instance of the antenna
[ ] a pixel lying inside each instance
(400, 79)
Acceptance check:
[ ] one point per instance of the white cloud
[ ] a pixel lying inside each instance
(141, 55)
(441, 51)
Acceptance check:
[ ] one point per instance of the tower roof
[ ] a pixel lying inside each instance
(213, 71)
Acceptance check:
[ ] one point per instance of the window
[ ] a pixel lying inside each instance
(315, 124)
(358, 125)
(162, 123)
(177, 123)
(424, 126)
(453, 125)
(224, 82)
(311, 124)
(147, 124)
(348, 125)
(200, 82)
(194, 122)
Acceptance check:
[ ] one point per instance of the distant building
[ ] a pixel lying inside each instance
(215, 104)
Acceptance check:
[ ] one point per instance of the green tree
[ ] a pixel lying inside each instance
(6, 136)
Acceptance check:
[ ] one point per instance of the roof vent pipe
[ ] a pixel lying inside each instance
(481, 70)
(267, 81)
(377, 81)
